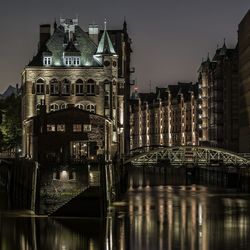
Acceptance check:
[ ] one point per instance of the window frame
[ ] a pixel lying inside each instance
(40, 87)
(79, 86)
(54, 84)
(90, 87)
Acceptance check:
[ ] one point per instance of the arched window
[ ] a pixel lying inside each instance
(54, 107)
(90, 87)
(65, 87)
(80, 106)
(79, 87)
(64, 106)
(40, 87)
(54, 87)
(90, 108)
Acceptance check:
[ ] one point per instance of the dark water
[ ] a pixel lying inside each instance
(187, 217)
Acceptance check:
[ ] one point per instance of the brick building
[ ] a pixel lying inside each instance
(244, 74)
(89, 70)
(219, 90)
(167, 117)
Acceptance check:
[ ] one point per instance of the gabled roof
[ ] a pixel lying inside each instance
(71, 50)
(59, 42)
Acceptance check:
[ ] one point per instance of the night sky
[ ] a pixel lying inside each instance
(170, 37)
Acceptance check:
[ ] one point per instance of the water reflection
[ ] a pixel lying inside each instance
(188, 217)
(183, 217)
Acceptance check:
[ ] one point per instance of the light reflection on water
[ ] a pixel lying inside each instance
(172, 217)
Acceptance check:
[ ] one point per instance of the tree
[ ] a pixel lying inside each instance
(10, 127)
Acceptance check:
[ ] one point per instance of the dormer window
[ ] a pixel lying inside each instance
(76, 61)
(47, 60)
(72, 61)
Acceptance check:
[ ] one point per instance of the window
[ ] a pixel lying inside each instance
(64, 106)
(79, 150)
(66, 87)
(60, 127)
(90, 108)
(90, 87)
(77, 127)
(76, 61)
(80, 106)
(86, 127)
(54, 107)
(40, 87)
(54, 87)
(47, 61)
(51, 127)
(79, 87)
(72, 61)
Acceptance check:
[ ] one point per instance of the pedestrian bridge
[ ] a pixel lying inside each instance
(185, 155)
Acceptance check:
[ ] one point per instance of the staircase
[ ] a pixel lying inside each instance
(89, 203)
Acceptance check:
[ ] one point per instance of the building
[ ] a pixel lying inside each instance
(68, 136)
(167, 117)
(89, 70)
(219, 83)
(244, 71)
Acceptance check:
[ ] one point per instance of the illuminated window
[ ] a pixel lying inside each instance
(54, 87)
(80, 106)
(77, 127)
(79, 150)
(64, 106)
(72, 60)
(60, 127)
(54, 107)
(76, 61)
(47, 61)
(86, 127)
(66, 87)
(90, 87)
(51, 127)
(40, 87)
(90, 108)
(79, 87)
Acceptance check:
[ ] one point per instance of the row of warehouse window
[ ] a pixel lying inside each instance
(62, 127)
(56, 88)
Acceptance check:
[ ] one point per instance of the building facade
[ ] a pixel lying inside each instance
(219, 85)
(244, 74)
(167, 117)
(83, 69)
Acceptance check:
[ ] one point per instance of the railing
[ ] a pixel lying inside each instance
(8, 155)
(196, 155)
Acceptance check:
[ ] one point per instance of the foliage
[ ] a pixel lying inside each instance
(10, 122)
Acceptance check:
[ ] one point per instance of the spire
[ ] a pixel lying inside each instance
(208, 57)
(125, 24)
(224, 43)
(105, 45)
(105, 24)
(55, 25)
(223, 50)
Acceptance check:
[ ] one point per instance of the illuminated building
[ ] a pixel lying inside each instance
(244, 69)
(167, 117)
(89, 70)
(219, 83)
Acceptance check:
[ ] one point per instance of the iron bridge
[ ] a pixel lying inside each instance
(185, 155)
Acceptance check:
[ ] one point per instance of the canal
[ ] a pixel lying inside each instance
(157, 212)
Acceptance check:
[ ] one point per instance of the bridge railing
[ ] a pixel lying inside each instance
(196, 155)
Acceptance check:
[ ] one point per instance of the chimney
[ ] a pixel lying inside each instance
(93, 33)
(44, 34)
